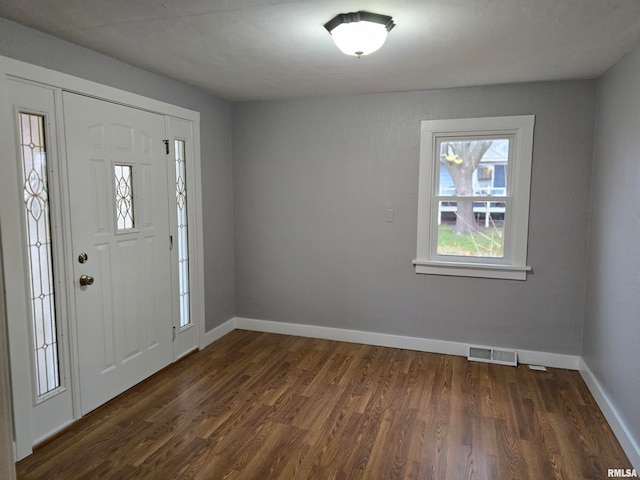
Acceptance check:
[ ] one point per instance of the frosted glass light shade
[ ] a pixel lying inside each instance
(359, 38)
(359, 33)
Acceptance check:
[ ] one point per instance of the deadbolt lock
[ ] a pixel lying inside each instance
(86, 280)
(83, 257)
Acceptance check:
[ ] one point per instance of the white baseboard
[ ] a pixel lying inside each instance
(218, 332)
(554, 360)
(397, 341)
(622, 433)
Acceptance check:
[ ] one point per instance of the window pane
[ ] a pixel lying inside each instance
(183, 238)
(483, 239)
(39, 252)
(124, 197)
(473, 166)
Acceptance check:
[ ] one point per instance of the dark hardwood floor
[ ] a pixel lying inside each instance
(264, 406)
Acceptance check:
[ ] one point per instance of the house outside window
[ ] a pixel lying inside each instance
(474, 185)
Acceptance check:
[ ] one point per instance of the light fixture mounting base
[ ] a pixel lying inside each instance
(360, 16)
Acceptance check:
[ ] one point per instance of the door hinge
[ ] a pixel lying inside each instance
(166, 144)
(170, 242)
(174, 333)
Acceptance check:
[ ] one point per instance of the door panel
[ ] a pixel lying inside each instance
(124, 319)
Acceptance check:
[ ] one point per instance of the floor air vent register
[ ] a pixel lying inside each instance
(493, 355)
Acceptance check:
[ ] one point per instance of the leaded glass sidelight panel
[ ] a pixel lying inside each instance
(39, 251)
(183, 237)
(124, 197)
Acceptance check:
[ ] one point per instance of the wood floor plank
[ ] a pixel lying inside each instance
(264, 406)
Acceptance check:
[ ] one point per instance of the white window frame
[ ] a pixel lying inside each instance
(512, 266)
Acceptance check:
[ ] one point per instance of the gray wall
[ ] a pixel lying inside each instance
(312, 180)
(612, 319)
(31, 46)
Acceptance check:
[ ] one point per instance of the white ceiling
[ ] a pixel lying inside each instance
(270, 49)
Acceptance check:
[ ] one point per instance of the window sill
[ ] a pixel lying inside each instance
(480, 270)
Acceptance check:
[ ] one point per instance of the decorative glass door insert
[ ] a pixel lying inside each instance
(183, 237)
(124, 197)
(39, 252)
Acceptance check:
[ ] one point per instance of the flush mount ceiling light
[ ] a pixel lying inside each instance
(359, 33)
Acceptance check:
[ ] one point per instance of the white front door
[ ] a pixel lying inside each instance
(119, 211)
(124, 323)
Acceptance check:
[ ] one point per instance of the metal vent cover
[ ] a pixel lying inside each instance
(500, 356)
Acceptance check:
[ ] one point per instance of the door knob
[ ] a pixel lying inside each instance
(86, 280)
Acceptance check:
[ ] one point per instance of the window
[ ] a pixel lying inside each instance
(474, 184)
(183, 237)
(35, 188)
(124, 197)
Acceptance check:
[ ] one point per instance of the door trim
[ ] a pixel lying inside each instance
(12, 236)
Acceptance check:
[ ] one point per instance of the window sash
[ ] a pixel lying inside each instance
(475, 259)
